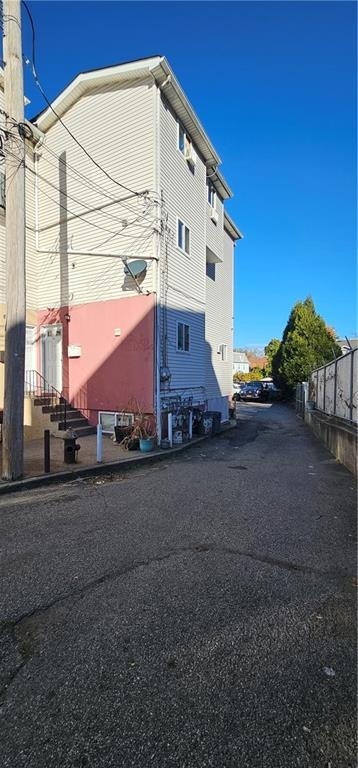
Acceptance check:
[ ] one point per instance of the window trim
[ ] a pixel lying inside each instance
(184, 324)
(212, 270)
(117, 418)
(179, 128)
(211, 188)
(185, 226)
(187, 142)
(223, 352)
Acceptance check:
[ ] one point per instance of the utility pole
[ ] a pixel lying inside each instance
(15, 329)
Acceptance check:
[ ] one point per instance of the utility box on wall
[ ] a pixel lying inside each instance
(74, 350)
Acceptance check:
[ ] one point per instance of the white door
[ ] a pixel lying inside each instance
(51, 348)
(30, 363)
(30, 357)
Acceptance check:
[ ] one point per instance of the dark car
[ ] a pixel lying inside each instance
(238, 386)
(254, 390)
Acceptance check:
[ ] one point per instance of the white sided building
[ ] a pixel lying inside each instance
(131, 278)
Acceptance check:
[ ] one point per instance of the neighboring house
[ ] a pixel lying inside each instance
(345, 346)
(240, 362)
(130, 274)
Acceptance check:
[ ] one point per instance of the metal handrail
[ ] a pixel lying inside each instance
(37, 386)
(79, 401)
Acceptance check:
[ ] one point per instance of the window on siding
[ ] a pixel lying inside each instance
(181, 139)
(183, 337)
(211, 194)
(210, 271)
(2, 190)
(183, 237)
(223, 352)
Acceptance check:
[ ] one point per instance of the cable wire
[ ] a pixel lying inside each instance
(84, 205)
(36, 78)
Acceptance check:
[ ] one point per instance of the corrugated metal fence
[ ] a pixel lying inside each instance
(334, 388)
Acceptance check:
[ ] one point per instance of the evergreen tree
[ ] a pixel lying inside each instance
(306, 344)
(270, 352)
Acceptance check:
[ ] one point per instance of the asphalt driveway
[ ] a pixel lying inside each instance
(199, 612)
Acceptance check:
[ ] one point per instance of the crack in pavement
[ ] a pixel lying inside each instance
(23, 636)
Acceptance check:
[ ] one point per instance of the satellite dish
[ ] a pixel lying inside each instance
(136, 268)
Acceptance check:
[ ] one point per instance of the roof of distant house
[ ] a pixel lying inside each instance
(240, 357)
(343, 343)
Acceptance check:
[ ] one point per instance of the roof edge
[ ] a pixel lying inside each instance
(231, 228)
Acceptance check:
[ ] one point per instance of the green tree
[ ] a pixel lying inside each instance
(306, 345)
(270, 352)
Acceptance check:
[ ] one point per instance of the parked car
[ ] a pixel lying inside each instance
(254, 390)
(237, 386)
(274, 392)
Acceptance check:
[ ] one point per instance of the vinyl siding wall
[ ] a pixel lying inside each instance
(214, 232)
(115, 125)
(219, 329)
(184, 194)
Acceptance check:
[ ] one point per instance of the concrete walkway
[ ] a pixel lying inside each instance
(199, 612)
(87, 456)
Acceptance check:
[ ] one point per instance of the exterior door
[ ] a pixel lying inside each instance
(51, 349)
(30, 358)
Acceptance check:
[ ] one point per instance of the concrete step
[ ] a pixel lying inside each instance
(59, 414)
(54, 407)
(44, 401)
(82, 431)
(74, 423)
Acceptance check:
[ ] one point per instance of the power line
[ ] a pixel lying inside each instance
(84, 205)
(119, 233)
(36, 78)
(83, 179)
(72, 213)
(92, 185)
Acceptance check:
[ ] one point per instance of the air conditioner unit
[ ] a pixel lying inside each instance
(214, 216)
(190, 154)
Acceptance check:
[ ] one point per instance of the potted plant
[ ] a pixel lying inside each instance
(142, 433)
(145, 429)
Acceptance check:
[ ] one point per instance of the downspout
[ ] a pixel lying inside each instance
(157, 355)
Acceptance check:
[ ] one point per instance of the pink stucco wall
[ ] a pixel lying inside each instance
(112, 369)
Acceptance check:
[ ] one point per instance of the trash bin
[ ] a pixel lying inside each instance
(216, 417)
(70, 448)
(206, 424)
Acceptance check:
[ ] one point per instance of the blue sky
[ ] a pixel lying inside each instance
(274, 84)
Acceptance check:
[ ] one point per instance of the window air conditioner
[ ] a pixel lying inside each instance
(190, 154)
(214, 216)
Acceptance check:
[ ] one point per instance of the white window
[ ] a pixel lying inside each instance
(186, 148)
(108, 420)
(211, 194)
(222, 351)
(181, 139)
(183, 237)
(183, 337)
(111, 419)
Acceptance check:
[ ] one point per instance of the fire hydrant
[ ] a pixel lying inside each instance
(70, 447)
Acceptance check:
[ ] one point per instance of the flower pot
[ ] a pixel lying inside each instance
(133, 444)
(146, 444)
(121, 433)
